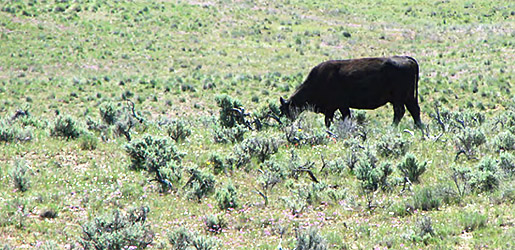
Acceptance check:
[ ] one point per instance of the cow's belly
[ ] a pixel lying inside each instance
(367, 103)
(368, 98)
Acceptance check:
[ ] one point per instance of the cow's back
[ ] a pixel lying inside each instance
(365, 83)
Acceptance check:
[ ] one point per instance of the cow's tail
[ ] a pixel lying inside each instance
(416, 76)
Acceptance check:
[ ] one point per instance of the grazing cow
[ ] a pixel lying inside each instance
(366, 83)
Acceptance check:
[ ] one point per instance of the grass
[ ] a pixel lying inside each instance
(172, 59)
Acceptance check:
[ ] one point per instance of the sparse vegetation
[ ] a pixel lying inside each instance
(174, 106)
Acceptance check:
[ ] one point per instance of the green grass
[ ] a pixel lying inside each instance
(85, 59)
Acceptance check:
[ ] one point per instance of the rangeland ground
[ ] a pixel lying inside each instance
(87, 76)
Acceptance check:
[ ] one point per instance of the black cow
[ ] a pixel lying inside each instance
(365, 83)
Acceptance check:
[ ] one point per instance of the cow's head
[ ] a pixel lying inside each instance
(287, 109)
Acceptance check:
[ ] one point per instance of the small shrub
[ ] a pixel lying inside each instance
(389, 145)
(117, 231)
(215, 224)
(67, 127)
(200, 183)
(507, 120)
(484, 176)
(158, 156)
(507, 163)
(260, 147)
(504, 141)
(149, 153)
(20, 176)
(468, 140)
(109, 113)
(297, 202)
(272, 174)
(335, 166)
(460, 177)
(411, 168)
(219, 163)
(310, 239)
(178, 130)
(360, 116)
(88, 142)
(314, 193)
(226, 105)
(227, 197)
(267, 116)
(336, 194)
(229, 135)
(371, 176)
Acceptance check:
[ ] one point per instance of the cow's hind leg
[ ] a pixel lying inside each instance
(398, 113)
(414, 110)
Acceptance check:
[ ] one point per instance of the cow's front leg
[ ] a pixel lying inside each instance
(345, 113)
(398, 113)
(329, 115)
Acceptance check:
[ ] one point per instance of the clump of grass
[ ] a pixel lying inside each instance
(425, 230)
(118, 231)
(20, 176)
(12, 132)
(14, 212)
(471, 221)
(310, 239)
(182, 239)
(297, 134)
(67, 127)
(215, 224)
(427, 198)
(88, 141)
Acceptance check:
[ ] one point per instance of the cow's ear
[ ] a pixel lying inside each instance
(283, 102)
